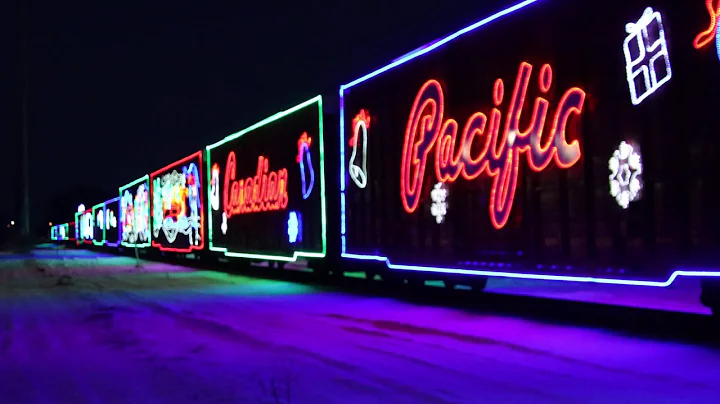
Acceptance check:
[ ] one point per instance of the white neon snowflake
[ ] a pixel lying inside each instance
(439, 206)
(625, 174)
(293, 227)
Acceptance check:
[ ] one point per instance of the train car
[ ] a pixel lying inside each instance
(98, 225)
(177, 200)
(54, 232)
(63, 233)
(550, 140)
(85, 225)
(266, 189)
(111, 221)
(135, 213)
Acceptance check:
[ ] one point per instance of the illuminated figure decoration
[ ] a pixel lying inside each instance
(360, 125)
(100, 220)
(110, 220)
(439, 205)
(264, 192)
(127, 215)
(294, 230)
(134, 216)
(647, 62)
(158, 208)
(429, 128)
(142, 221)
(111, 223)
(98, 231)
(176, 205)
(304, 150)
(86, 226)
(705, 37)
(625, 174)
(215, 187)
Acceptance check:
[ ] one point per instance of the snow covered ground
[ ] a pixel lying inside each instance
(167, 334)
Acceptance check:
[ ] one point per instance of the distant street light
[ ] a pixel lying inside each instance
(50, 224)
(12, 223)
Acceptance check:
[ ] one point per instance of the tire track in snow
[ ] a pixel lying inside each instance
(231, 334)
(388, 325)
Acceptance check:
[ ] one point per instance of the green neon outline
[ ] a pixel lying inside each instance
(78, 240)
(95, 223)
(145, 177)
(323, 214)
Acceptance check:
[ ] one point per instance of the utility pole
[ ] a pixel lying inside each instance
(25, 132)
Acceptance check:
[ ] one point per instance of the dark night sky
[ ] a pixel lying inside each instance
(118, 90)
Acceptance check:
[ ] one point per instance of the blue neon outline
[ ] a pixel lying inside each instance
(717, 42)
(583, 279)
(105, 205)
(306, 191)
(417, 53)
(146, 180)
(436, 44)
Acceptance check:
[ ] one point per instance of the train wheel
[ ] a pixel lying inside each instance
(414, 281)
(710, 297)
(392, 278)
(478, 284)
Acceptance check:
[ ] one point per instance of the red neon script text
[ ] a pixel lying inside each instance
(498, 156)
(266, 191)
(708, 35)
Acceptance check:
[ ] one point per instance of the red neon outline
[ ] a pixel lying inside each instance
(234, 194)
(73, 225)
(707, 36)
(191, 248)
(362, 116)
(500, 156)
(304, 140)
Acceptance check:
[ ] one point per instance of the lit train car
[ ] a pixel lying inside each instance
(85, 225)
(177, 200)
(266, 189)
(135, 213)
(106, 230)
(540, 143)
(66, 232)
(63, 233)
(54, 232)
